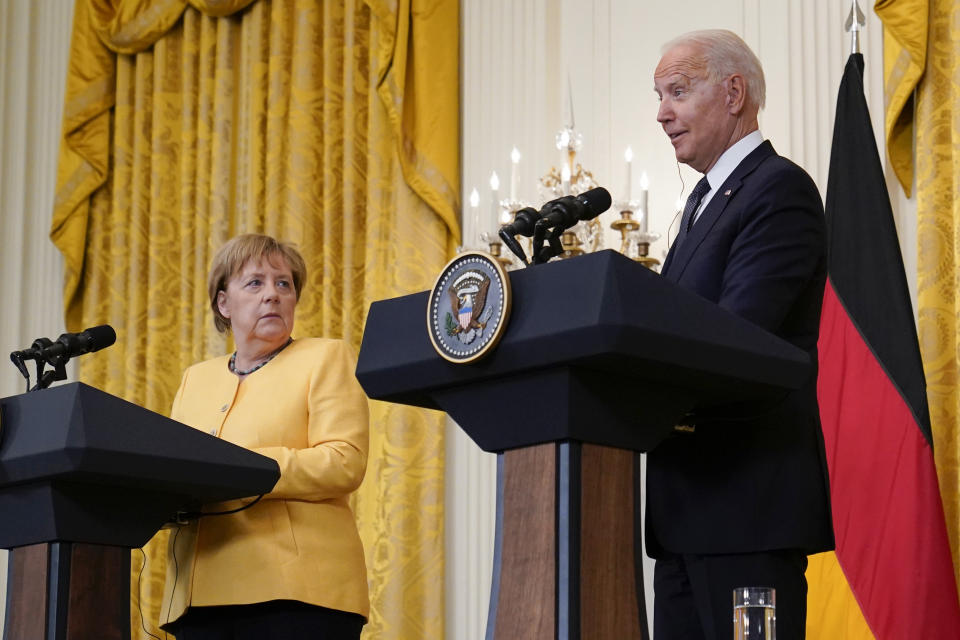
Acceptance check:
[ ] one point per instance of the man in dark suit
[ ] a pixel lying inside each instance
(739, 497)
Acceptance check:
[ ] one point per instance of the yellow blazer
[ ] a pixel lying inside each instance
(305, 410)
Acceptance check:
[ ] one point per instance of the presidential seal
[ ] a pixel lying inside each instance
(468, 308)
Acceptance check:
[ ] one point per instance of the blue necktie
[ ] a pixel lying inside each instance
(686, 222)
(700, 190)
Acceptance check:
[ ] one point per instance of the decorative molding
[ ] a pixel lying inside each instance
(33, 64)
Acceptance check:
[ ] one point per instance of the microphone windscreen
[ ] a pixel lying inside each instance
(99, 337)
(595, 201)
(524, 221)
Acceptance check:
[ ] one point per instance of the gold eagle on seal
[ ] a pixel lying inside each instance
(467, 302)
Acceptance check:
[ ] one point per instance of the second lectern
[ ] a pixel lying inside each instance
(600, 361)
(85, 477)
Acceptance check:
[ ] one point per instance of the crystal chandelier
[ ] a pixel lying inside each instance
(571, 179)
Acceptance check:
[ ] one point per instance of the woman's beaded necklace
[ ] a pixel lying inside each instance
(233, 360)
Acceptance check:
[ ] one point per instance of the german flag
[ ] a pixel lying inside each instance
(891, 576)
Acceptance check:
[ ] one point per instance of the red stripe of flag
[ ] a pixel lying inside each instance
(887, 515)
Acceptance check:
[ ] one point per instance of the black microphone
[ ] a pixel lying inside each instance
(569, 210)
(561, 214)
(523, 224)
(68, 345)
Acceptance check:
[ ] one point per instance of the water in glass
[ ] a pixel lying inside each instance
(755, 613)
(754, 622)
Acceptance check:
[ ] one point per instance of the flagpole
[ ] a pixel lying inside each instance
(855, 22)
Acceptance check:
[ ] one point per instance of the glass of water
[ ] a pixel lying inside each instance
(754, 613)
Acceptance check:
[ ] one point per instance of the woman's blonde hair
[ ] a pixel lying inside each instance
(236, 253)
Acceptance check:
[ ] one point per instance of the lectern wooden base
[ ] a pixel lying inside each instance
(567, 558)
(66, 591)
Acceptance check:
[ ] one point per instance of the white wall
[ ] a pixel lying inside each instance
(516, 58)
(34, 42)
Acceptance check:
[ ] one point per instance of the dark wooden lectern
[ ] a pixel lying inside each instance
(84, 478)
(600, 361)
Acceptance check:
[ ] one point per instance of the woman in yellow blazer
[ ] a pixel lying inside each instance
(292, 565)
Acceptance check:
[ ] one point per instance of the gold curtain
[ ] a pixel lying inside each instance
(922, 58)
(904, 58)
(187, 123)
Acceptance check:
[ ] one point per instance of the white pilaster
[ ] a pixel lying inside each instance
(34, 45)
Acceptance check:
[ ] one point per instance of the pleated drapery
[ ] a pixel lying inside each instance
(330, 124)
(905, 27)
(925, 36)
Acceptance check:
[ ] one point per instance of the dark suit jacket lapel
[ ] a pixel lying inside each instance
(686, 244)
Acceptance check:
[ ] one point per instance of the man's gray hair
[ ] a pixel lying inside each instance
(725, 53)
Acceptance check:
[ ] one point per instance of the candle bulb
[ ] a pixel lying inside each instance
(494, 191)
(628, 156)
(644, 193)
(563, 144)
(514, 166)
(475, 212)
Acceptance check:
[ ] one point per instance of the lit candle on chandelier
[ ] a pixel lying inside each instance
(644, 193)
(475, 211)
(565, 180)
(628, 156)
(514, 166)
(495, 193)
